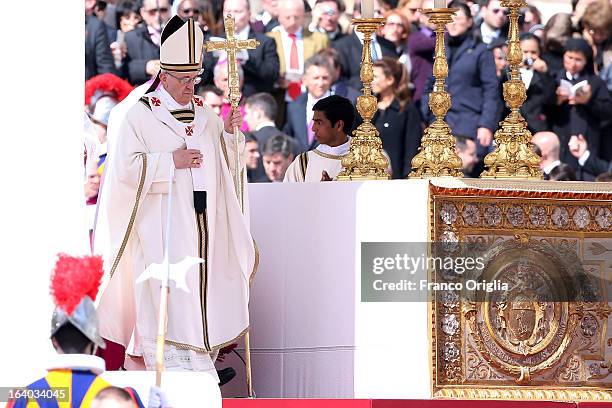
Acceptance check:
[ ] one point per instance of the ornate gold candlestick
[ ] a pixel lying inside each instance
(437, 155)
(365, 160)
(513, 156)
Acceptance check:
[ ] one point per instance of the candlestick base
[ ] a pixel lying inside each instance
(437, 156)
(365, 159)
(513, 156)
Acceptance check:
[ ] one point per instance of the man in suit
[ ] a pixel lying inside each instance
(294, 45)
(494, 21)
(548, 143)
(260, 112)
(277, 156)
(142, 56)
(350, 47)
(317, 79)
(339, 86)
(98, 56)
(260, 65)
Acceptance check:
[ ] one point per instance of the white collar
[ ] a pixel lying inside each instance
(550, 166)
(571, 77)
(335, 150)
(264, 124)
(243, 34)
(78, 362)
(298, 33)
(265, 17)
(312, 100)
(169, 101)
(488, 32)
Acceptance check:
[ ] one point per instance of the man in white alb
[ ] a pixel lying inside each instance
(332, 122)
(171, 136)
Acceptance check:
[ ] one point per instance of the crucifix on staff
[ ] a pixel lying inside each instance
(231, 46)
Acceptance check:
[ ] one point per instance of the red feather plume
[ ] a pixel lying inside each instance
(109, 84)
(73, 278)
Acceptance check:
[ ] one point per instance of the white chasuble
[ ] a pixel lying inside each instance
(309, 166)
(131, 230)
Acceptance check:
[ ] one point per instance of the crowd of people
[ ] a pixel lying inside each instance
(308, 52)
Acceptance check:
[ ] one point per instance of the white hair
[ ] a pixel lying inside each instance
(283, 4)
(222, 64)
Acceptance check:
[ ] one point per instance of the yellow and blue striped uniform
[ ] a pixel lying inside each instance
(81, 388)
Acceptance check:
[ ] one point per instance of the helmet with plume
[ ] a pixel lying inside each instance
(74, 287)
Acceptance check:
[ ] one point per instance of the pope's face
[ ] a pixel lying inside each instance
(179, 85)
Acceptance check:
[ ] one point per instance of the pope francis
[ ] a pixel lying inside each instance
(170, 136)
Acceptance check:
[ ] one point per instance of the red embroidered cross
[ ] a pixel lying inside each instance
(155, 101)
(198, 102)
(189, 130)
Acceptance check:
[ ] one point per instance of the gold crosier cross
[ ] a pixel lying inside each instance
(231, 45)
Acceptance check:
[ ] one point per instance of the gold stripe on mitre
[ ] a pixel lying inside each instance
(180, 67)
(191, 36)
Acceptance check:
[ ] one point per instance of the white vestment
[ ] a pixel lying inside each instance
(309, 168)
(131, 229)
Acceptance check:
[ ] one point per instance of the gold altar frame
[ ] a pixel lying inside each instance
(560, 211)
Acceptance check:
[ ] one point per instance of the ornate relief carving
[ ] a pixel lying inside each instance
(549, 327)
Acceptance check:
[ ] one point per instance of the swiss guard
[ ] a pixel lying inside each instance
(73, 380)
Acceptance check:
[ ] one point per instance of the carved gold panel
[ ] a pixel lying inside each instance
(545, 336)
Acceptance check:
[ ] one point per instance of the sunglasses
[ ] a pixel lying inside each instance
(329, 11)
(191, 11)
(161, 10)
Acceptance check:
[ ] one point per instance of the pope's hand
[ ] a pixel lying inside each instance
(187, 158)
(233, 120)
